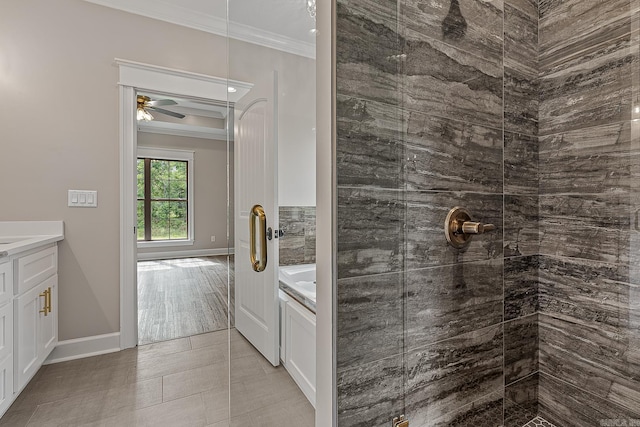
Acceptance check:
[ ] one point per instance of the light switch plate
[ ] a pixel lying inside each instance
(83, 199)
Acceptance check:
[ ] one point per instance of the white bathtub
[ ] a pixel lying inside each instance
(301, 279)
(298, 325)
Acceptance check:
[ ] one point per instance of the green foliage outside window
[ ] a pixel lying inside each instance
(166, 201)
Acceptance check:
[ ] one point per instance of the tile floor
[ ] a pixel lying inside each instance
(183, 382)
(539, 422)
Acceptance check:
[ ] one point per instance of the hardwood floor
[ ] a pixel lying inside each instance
(182, 297)
(183, 382)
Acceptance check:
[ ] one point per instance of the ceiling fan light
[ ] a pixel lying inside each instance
(143, 114)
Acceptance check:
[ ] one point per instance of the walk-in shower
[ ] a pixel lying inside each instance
(523, 113)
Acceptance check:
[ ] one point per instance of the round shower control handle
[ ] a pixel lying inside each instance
(459, 228)
(469, 227)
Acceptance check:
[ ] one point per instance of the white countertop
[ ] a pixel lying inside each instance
(20, 236)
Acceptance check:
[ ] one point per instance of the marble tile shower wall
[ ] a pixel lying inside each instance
(437, 107)
(298, 245)
(589, 293)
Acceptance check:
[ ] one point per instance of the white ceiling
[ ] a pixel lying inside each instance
(280, 24)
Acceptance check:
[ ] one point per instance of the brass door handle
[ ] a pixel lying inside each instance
(459, 228)
(258, 214)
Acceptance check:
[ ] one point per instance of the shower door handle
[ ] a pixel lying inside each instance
(258, 263)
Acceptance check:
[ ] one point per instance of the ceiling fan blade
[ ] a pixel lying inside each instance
(167, 112)
(161, 102)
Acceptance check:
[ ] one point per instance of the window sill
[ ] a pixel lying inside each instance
(165, 243)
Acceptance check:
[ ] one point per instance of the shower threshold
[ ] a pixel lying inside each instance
(538, 422)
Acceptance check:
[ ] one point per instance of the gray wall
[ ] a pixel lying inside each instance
(589, 146)
(210, 189)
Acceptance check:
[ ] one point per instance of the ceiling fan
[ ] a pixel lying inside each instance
(145, 103)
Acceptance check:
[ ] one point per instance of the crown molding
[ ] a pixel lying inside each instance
(185, 17)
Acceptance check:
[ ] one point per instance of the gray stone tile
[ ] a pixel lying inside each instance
(520, 348)
(449, 82)
(446, 154)
(297, 246)
(449, 374)
(591, 357)
(521, 225)
(370, 226)
(369, 394)
(585, 290)
(569, 26)
(520, 163)
(567, 406)
(369, 149)
(521, 104)
(369, 318)
(521, 34)
(592, 160)
(474, 26)
(445, 302)
(521, 401)
(367, 50)
(590, 88)
(520, 286)
(486, 411)
(589, 226)
(426, 243)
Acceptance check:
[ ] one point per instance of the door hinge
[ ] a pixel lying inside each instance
(400, 421)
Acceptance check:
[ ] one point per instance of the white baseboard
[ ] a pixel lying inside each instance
(84, 347)
(149, 256)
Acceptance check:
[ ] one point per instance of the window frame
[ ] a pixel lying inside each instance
(177, 155)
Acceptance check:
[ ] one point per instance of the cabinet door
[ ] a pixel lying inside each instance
(6, 282)
(48, 327)
(27, 316)
(6, 357)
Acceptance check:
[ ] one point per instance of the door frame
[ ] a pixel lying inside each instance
(134, 77)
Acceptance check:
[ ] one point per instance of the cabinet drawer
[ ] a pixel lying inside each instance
(6, 282)
(34, 268)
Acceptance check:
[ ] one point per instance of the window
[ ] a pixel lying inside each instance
(165, 201)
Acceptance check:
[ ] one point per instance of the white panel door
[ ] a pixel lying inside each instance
(255, 183)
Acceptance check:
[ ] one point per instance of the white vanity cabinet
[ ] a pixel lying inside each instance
(28, 301)
(35, 312)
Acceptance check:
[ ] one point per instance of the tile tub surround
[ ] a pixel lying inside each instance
(426, 122)
(298, 245)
